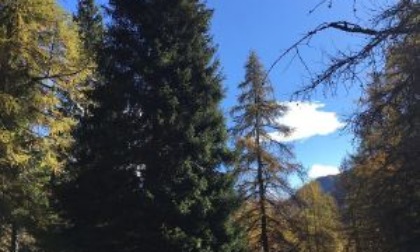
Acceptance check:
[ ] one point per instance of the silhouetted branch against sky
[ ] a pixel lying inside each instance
(391, 24)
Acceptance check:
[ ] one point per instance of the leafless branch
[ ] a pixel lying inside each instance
(391, 25)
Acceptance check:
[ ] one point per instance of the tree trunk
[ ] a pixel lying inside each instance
(14, 241)
(264, 236)
(261, 184)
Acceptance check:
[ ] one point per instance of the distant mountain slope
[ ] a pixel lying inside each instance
(332, 186)
(328, 183)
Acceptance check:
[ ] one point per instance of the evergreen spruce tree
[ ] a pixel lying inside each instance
(188, 200)
(42, 70)
(263, 172)
(149, 174)
(90, 26)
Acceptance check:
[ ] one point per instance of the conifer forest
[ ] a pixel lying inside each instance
(115, 135)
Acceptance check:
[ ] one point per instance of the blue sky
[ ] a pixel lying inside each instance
(269, 27)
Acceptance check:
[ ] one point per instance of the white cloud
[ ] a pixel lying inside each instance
(320, 170)
(308, 120)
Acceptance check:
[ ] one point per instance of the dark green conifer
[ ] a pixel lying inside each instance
(149, 176)
(90, 23)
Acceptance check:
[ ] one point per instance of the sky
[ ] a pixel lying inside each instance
(268, 27)
(271, 26)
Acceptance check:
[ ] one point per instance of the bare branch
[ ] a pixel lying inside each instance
(393, 24)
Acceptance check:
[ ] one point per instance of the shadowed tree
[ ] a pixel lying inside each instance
(150, 166)
(90, 26)
(383, 179)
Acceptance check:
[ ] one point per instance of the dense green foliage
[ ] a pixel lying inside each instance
(90, 24)
(151, 155)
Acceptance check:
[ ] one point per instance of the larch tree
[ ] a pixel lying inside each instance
(319, 219)
(264, 163)
(41, 84)
(387, 125)
(383, 180)
(151, 167)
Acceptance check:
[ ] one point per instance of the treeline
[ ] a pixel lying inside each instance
(112, 139)
(383, 180)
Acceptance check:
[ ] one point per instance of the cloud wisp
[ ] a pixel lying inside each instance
(308, 120)
(320, 170)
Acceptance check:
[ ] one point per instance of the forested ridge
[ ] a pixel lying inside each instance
(112, 136)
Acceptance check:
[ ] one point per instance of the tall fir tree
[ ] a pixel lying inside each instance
(263, 172)
(90, 23)
(151, 166)
(91, 31)
(42, 70)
